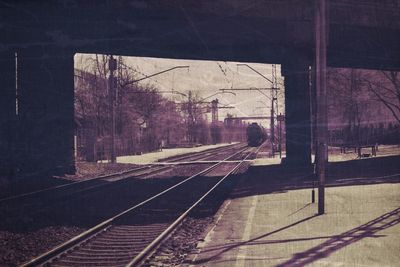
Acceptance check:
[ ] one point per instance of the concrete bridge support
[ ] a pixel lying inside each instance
(7, 115)
(46, 111)
(298, 115)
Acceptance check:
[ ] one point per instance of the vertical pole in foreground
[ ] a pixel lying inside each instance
(272, 125)
(112, 66)
(320, 78)
(280, 135)
(274, 85)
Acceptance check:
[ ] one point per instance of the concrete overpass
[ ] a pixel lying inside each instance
(46, 34)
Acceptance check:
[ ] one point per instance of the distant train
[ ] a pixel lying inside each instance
(256, 135)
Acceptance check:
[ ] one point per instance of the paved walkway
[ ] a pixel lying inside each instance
(268, 225)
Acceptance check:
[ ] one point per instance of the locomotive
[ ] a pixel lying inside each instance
(255, 134)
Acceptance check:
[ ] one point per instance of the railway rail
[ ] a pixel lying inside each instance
(129, 237)
(44, 203)
(82, 186)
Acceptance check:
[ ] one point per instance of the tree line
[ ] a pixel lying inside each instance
(145, 118)
(363, 106)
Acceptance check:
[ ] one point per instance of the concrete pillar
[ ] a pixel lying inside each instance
(7, 116)
(46, 89)
(297, 109)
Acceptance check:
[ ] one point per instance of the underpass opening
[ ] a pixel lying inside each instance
(164, 104)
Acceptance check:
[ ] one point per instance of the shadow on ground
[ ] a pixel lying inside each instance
(83, 210)
(337, 242)
(280, 178)
(323, 250)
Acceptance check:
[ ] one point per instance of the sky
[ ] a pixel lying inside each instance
(206, 78)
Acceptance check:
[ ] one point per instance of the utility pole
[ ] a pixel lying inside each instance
(112, 66)
(272, 125)
(190, 118)
(274, 97)
(272, 111)
(191, 110)
(321, 101)
(280, 118)
(273, 88)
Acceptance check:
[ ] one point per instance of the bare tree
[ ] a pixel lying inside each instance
(349, 103)
(144, 118)
(196, 123)
(385, 86)
(91, 106)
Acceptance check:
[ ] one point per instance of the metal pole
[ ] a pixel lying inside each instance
(112, 66)
(320, 59)
(190, 117)
(272, 126)
(274, 84)
(280, 138)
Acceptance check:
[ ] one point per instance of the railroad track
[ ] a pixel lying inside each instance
(201, 155)
(79, 187)
(129, 237)
(43, 203)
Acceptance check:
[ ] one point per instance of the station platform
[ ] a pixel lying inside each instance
(264, 158)
(267, 222)
(153, 157)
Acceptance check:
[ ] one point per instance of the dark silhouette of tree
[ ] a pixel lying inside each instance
(144, 118)
(197, 126)
(363, 104)
(348, 102)
(385, 85)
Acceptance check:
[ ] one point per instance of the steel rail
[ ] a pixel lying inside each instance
(92, 231)
(200, 154)
(108, 176)
(142, 255)
(151, 171)
(191, 162)
(73, 183)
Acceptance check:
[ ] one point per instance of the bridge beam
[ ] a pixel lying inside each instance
(46, 111)
(297, 109)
